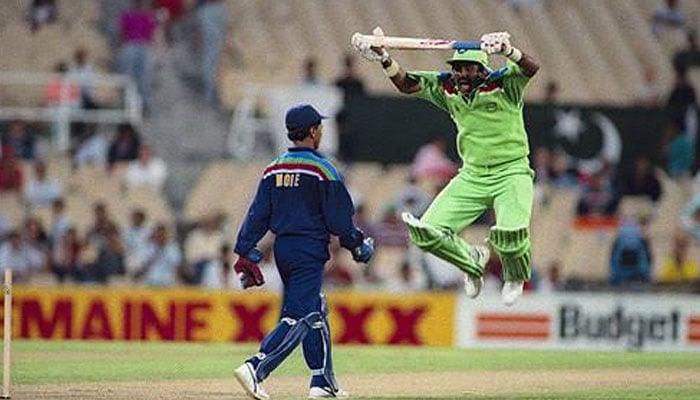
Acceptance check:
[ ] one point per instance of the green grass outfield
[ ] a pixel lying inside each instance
(44, 362)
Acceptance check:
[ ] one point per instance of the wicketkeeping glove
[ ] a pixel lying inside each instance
(248, 270)
(363, 253)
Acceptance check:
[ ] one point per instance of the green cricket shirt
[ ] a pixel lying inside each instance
(490, 128)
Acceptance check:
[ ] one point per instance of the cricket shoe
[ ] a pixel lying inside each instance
(317, 392)
(472, 284)
(511, 292)
(245, 375)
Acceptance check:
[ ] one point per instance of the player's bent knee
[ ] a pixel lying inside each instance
(426, 237)
(510, 242)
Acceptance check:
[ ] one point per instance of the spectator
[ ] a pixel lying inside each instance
(41, 12)
(37, 239)
(678, 267)
(91, 148)
(125, 145)
(174, 10)
(102, 223)
(16, 255)
(60, 222)
(67, 257)
(22, 142)
(10, 172)
(678, 152)
(431, 162)
(137, 234)
(82, 72)
(630, 260)
(689, 57)
(641, 181)
(551, 93)
(310, 72)
(597, 197)
(690, 219)
(147, 170)
(160, 261)
(137, 27)
(646, 92)
(348, 81)
(213, 21)
(40, 190)
(203, 245)
(111, 258)
(669, 16)
(62, 91)
(682, 102)
(61, 95)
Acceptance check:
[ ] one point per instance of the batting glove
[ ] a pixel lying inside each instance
(248, 270)
(366, 48)
(495, 42)
(364, 252)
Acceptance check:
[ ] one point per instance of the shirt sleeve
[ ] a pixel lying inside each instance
(338, 210)
(514, 82)
(257, 220)
(430, 87)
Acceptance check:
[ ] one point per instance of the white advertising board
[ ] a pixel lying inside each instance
(655, 322)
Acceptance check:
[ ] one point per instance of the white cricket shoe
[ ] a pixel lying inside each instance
(472, 284)
(245, 375)
(317, 392)
(511, 292)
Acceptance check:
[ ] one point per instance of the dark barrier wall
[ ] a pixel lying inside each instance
(391, 129)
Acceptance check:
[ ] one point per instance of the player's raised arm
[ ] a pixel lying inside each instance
(391, 67)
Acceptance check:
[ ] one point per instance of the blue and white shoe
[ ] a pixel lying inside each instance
(245, 375)
(317, 392)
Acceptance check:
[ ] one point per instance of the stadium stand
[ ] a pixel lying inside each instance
(564, 35)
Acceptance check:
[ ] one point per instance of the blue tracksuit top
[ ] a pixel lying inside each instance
(301, 194)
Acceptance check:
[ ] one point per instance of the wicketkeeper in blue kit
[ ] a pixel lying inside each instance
(302, 200)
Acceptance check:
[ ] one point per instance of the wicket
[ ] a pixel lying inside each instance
(7, 334)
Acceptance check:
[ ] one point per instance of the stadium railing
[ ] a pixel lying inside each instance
(64, 112)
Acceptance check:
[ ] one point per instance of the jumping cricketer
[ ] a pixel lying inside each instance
(487, 108)
(302, 200)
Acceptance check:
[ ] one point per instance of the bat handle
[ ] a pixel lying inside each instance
(464, 45)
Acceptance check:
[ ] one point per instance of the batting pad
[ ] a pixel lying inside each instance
(513, 247)
(443, 244)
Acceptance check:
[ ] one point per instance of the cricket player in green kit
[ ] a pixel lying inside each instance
(487, 108)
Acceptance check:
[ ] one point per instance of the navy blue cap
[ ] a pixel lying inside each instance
(302, 116)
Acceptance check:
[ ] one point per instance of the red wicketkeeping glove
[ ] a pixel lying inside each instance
(248, 272)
